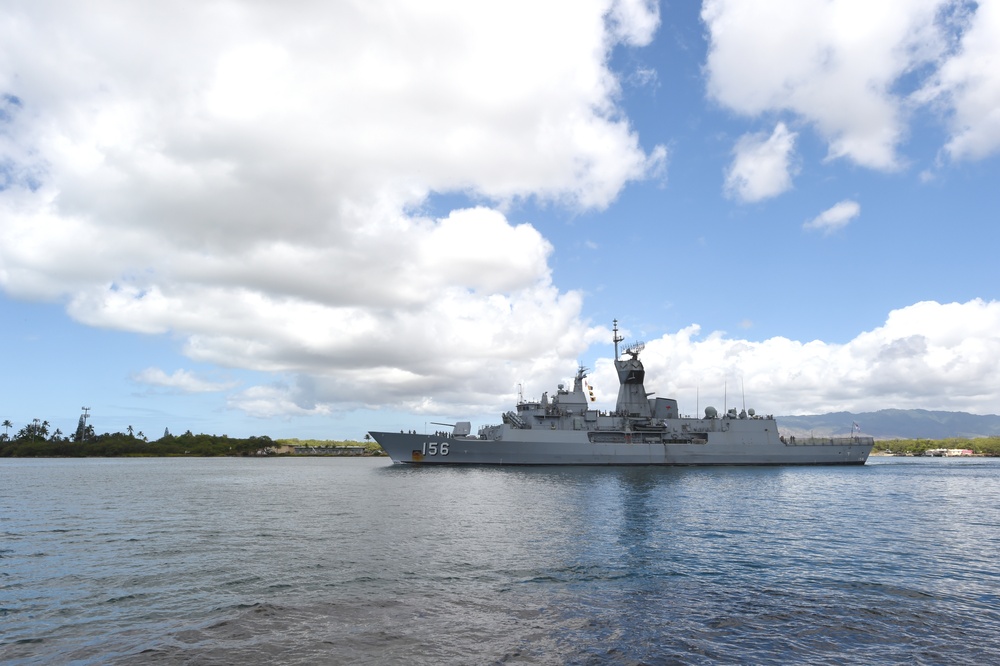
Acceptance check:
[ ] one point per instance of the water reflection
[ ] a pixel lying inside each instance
(314, 560)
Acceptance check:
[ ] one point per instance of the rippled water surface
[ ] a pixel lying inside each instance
(318, 560)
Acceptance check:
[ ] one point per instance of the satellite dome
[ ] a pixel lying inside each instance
(711, 412)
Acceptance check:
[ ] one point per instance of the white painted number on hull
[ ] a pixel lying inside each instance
(434, 448)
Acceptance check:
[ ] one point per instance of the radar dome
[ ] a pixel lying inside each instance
(711, 413)
(751, 412)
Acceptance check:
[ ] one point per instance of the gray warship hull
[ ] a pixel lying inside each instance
(565, 430)
(555, 448)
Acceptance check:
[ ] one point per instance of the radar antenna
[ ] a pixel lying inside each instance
(634, 348)
(617, 338)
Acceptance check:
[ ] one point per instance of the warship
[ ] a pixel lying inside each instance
(642, 430)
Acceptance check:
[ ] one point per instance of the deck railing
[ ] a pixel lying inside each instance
(828, 441)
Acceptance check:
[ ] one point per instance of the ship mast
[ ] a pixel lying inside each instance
(617, 338)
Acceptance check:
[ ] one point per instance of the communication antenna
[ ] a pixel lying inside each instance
(617, 338)
(744, 395)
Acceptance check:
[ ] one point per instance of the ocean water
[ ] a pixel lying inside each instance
(357, 561)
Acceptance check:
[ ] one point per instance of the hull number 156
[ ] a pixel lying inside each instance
(435, 448)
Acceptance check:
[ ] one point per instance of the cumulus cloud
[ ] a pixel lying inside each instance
(635, 21)
(848, 69)
(249, 178)
(836, 217)
(762, 165)
(181, 380)
(276, 400)
(968, 85)
(926, 356)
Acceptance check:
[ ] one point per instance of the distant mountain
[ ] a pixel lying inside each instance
(893, 424)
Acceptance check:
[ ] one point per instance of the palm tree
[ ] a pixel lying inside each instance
(130, 431)
(7, 425)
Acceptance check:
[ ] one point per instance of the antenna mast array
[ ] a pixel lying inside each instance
(634, 348)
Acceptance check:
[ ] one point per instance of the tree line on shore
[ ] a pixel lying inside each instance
(980, 446)
(35, 440)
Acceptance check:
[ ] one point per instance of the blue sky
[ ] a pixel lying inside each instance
(240, 219)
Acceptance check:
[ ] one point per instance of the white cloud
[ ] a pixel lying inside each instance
(842, 66)
(276, 400)
(245, 176)
(762, 165)
(836, 217)
(181, 380)
(635, 21)
(969, 83)
(644, 76)
(926, 356)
